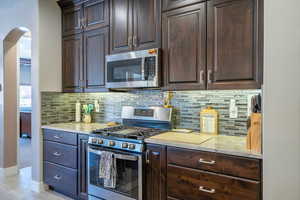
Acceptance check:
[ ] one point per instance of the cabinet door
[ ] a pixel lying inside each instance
(82, 166)
(234, 44)
(96, 14)
(156, 172)
(72, 63)
(184, 47)
(95, 50)
(147, 24)
(71, 20)
(172, 4)
(120, 26)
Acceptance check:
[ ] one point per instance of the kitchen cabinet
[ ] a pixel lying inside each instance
(134, 25)
(172, 4)
(184, 48)
(156, 172)
(201, 175)
(82, 166)
(25, 123)
(234, 45)
(95, 49)
(79, 16)
(72, 63)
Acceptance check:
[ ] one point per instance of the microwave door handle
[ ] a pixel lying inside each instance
(143, 69)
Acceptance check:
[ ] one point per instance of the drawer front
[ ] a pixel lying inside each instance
(61, 154)
(62, 179)
(60, 136)
(215, 162)
(192, 184)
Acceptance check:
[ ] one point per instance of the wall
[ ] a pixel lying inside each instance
(281, 141)
(28, 14)
(58, 107)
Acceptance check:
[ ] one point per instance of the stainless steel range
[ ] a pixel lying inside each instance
(126, 144)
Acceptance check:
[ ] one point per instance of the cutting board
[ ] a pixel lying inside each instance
(190, 138)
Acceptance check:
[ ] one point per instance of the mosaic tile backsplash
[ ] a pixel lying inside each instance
(60, 107)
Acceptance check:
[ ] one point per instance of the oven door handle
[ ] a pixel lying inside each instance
(118, 156)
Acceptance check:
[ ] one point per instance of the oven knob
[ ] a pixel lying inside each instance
(125, 145)
(131, 146)
(100, 141)
(112, 143)
(94, 140)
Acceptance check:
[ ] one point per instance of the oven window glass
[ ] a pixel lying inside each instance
(125, 70)
(127, 176)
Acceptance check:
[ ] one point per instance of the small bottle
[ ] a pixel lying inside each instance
(97, 106)
(78, 111)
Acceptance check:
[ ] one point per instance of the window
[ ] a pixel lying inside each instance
(25, 95)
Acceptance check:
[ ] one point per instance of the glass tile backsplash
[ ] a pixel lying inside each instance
(60, 107)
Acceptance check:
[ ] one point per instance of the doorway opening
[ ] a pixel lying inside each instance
(17, 97)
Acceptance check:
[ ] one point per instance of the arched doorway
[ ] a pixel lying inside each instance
(11, 101)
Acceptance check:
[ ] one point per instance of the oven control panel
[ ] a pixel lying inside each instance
(116, 144)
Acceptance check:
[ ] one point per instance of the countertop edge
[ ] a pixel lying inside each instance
(65, 130)
(196, 147)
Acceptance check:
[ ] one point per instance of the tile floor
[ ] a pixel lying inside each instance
(18, 188)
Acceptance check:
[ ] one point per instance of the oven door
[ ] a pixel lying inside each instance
(129, 179)
(132, 70)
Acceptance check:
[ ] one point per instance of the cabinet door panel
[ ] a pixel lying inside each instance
(120, 25)
(233, 45)
(171, 4)
(96, 14)
(156, 173)
(71, 20)
(72, 63)
(147, 24)
(95, 50)
(184, 47)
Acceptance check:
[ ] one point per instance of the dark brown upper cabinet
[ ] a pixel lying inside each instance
(172, 4)
(95, 50)
(71, 23)
(234, 59)
(184, 48)
(72, 63)
(134, 25)
(79, 16)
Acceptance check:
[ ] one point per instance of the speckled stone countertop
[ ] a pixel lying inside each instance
(74, 127)
(231, 145)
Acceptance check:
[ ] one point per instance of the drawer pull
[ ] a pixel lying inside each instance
(56, 154)
(203, 189)
(56, 137)
(212, 162)
(57, 177)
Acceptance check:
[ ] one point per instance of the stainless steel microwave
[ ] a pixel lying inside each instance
(136, 69)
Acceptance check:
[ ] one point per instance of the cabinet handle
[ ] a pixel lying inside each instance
(211, 191)
(212, 162)
(57, 177)
(130, 42)
(135, 42)
(147, 157)
(57, 154)
(202, 77)
(56, 137)
(210, 76)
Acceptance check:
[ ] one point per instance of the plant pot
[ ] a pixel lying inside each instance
(87, 118)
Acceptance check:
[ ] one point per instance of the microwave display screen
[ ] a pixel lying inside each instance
(144, 112)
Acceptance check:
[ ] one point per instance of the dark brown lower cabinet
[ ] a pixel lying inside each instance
(156, 172)
(82, 166)
(182, 174)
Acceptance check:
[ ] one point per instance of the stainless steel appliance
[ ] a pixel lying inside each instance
(126, 142)
(136, 69)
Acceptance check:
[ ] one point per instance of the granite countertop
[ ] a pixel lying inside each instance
(231, 145)
(81, 128)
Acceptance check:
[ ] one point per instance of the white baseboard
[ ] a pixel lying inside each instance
(38, 186)
(10, 171)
